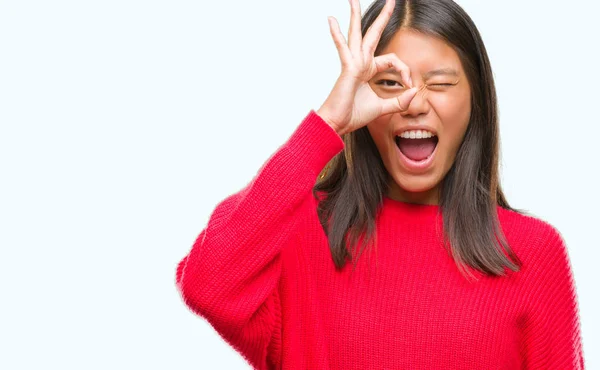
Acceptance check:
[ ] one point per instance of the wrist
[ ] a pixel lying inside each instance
(323, 116)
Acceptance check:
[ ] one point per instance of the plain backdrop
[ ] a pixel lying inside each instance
(124, 123)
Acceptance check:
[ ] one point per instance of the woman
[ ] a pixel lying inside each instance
(400, 160)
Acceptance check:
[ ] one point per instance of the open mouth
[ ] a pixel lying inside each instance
(417, 150)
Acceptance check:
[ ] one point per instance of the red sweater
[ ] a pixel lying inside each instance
(262, 275)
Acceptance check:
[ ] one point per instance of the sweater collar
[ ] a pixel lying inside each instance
(411, 211)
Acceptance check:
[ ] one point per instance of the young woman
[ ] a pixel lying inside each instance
(401, 162)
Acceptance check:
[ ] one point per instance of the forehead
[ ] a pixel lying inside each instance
(421, 52)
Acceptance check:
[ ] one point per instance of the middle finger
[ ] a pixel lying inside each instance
(374, 32)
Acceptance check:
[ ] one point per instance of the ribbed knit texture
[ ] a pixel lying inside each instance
(262, 275)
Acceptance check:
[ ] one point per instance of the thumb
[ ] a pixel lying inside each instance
(399, 103)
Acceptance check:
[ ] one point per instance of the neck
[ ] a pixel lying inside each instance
(428, 197)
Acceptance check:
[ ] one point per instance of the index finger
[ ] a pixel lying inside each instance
(374, 32)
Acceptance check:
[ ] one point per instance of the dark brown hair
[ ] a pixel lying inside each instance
(351, 187)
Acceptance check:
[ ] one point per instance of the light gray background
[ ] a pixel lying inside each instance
(123, 123)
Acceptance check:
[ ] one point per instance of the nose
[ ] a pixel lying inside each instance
(419, 104)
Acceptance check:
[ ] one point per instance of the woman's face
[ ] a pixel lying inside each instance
(442, 106)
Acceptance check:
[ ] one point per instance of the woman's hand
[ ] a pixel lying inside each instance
(352, 102)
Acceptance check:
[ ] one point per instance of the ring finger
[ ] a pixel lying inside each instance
(354, 32)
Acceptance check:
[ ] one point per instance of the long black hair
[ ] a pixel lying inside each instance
(351, 187)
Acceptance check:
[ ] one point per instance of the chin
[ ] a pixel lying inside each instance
(417, 183)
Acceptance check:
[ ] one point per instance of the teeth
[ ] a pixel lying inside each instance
(416, 134)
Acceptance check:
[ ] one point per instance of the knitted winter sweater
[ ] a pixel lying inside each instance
(262, 275)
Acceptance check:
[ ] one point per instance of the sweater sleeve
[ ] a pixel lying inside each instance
(231, 274)
(553, 333)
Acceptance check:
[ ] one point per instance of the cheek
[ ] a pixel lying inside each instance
(378, 130)
(454, 113)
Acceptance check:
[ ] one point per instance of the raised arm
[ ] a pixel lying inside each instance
(231, 274)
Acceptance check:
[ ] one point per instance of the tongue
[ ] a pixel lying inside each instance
(417, 149)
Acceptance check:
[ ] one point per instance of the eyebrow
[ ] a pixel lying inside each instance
(435, 72)
(443, 71)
